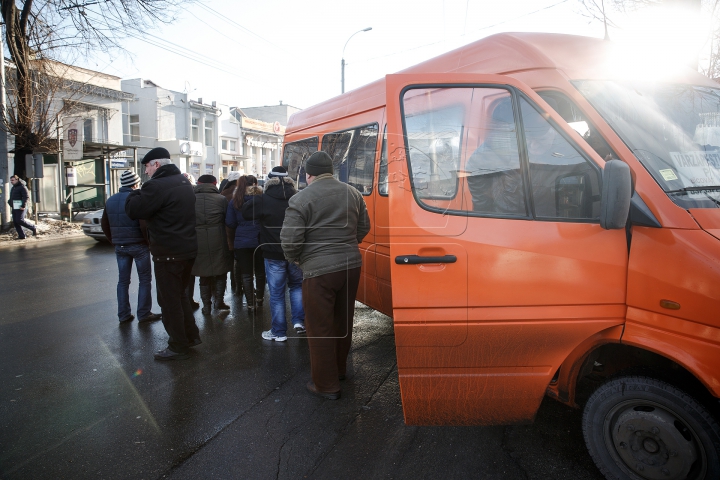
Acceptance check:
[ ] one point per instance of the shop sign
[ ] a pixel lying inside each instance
(261, 126)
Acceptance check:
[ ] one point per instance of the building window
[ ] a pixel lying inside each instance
(209, 169)
(228, 145)
(195, 170)
(208, 133)
(195, 130)
(134, 128)
(88, 129)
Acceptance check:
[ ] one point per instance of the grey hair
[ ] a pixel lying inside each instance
(162, 161)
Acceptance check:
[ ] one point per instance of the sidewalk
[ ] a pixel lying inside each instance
(47, 229)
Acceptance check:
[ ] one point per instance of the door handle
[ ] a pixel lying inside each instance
(419, 259)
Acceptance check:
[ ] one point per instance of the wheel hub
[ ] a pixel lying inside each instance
(653, 443)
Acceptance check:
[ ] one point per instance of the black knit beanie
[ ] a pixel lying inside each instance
(318, 163)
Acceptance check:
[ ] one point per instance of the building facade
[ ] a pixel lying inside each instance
(203, 138)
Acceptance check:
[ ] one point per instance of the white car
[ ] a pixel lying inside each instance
(91, 226)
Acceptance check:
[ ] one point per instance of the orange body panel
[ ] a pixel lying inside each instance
(479, 339)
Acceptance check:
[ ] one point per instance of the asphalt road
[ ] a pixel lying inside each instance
(82, 397)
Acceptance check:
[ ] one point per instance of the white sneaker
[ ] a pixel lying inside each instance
(268, 335)
(299, 328)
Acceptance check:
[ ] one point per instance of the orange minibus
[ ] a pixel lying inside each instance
(545, 221)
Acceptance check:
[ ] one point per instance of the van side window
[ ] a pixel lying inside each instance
(570, 112)
(564, 184)
(353, 154)
(294, 157)
(383, 171)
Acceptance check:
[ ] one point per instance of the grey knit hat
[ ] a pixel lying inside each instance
(129, 178)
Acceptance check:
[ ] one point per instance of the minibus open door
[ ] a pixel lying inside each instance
(500, 266)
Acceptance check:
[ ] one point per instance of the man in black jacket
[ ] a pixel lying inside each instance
(167, 203)
(18, 202)
(269, 208)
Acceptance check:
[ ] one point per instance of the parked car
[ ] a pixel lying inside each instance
(91, 226)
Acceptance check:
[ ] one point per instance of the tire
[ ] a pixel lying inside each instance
(639, 428)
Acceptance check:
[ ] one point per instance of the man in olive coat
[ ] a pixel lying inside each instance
(323, 225)
(213, 258)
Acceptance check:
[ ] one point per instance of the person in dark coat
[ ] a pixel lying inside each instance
(246, 243)
(191, 283)
(227, 188)
(18, 203)
(213, 259)
(269, 209)
(167, 203)
(130, 245)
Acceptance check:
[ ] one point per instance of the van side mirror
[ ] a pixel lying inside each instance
(616, 193)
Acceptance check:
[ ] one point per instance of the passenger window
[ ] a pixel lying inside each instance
(564, 184)
(353, 154)
(494, 177)
(294, 157)
(383, 171)
(567, 109)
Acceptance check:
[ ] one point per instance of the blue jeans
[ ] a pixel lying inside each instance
(280, 273)
(125, 256)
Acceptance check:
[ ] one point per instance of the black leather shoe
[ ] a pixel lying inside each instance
(152, 317)
(35, 232)
(195, 342)
(195, 305)
(341, 377)
(329, 395)
(222, 306)
(128, 319)
(168, 354)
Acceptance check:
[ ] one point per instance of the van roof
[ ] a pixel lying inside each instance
(504, 53)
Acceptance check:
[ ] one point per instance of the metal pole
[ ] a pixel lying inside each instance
(4, 165)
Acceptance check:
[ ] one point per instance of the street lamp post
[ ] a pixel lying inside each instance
(342, 62)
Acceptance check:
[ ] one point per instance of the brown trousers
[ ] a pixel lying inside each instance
(329, 303)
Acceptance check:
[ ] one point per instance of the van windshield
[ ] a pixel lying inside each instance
(674, 130)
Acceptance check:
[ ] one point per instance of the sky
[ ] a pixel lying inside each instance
(254, 53)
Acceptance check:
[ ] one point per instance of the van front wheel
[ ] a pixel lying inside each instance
(640, 428)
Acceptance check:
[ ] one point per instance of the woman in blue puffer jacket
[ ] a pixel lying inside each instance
(249, 258)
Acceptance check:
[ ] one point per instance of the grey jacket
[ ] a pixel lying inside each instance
(324, 223)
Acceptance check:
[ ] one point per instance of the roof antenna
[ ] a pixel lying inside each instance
(607, 37)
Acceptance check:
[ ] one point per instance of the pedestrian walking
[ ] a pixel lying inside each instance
(167, 203)
(227, 188)
(323, 226)
(269, 209)
(213, 259)
(245, 245)
(191, 282)
(131, 245)
(18, 203)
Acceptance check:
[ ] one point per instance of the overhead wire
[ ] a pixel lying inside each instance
(233, 22)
